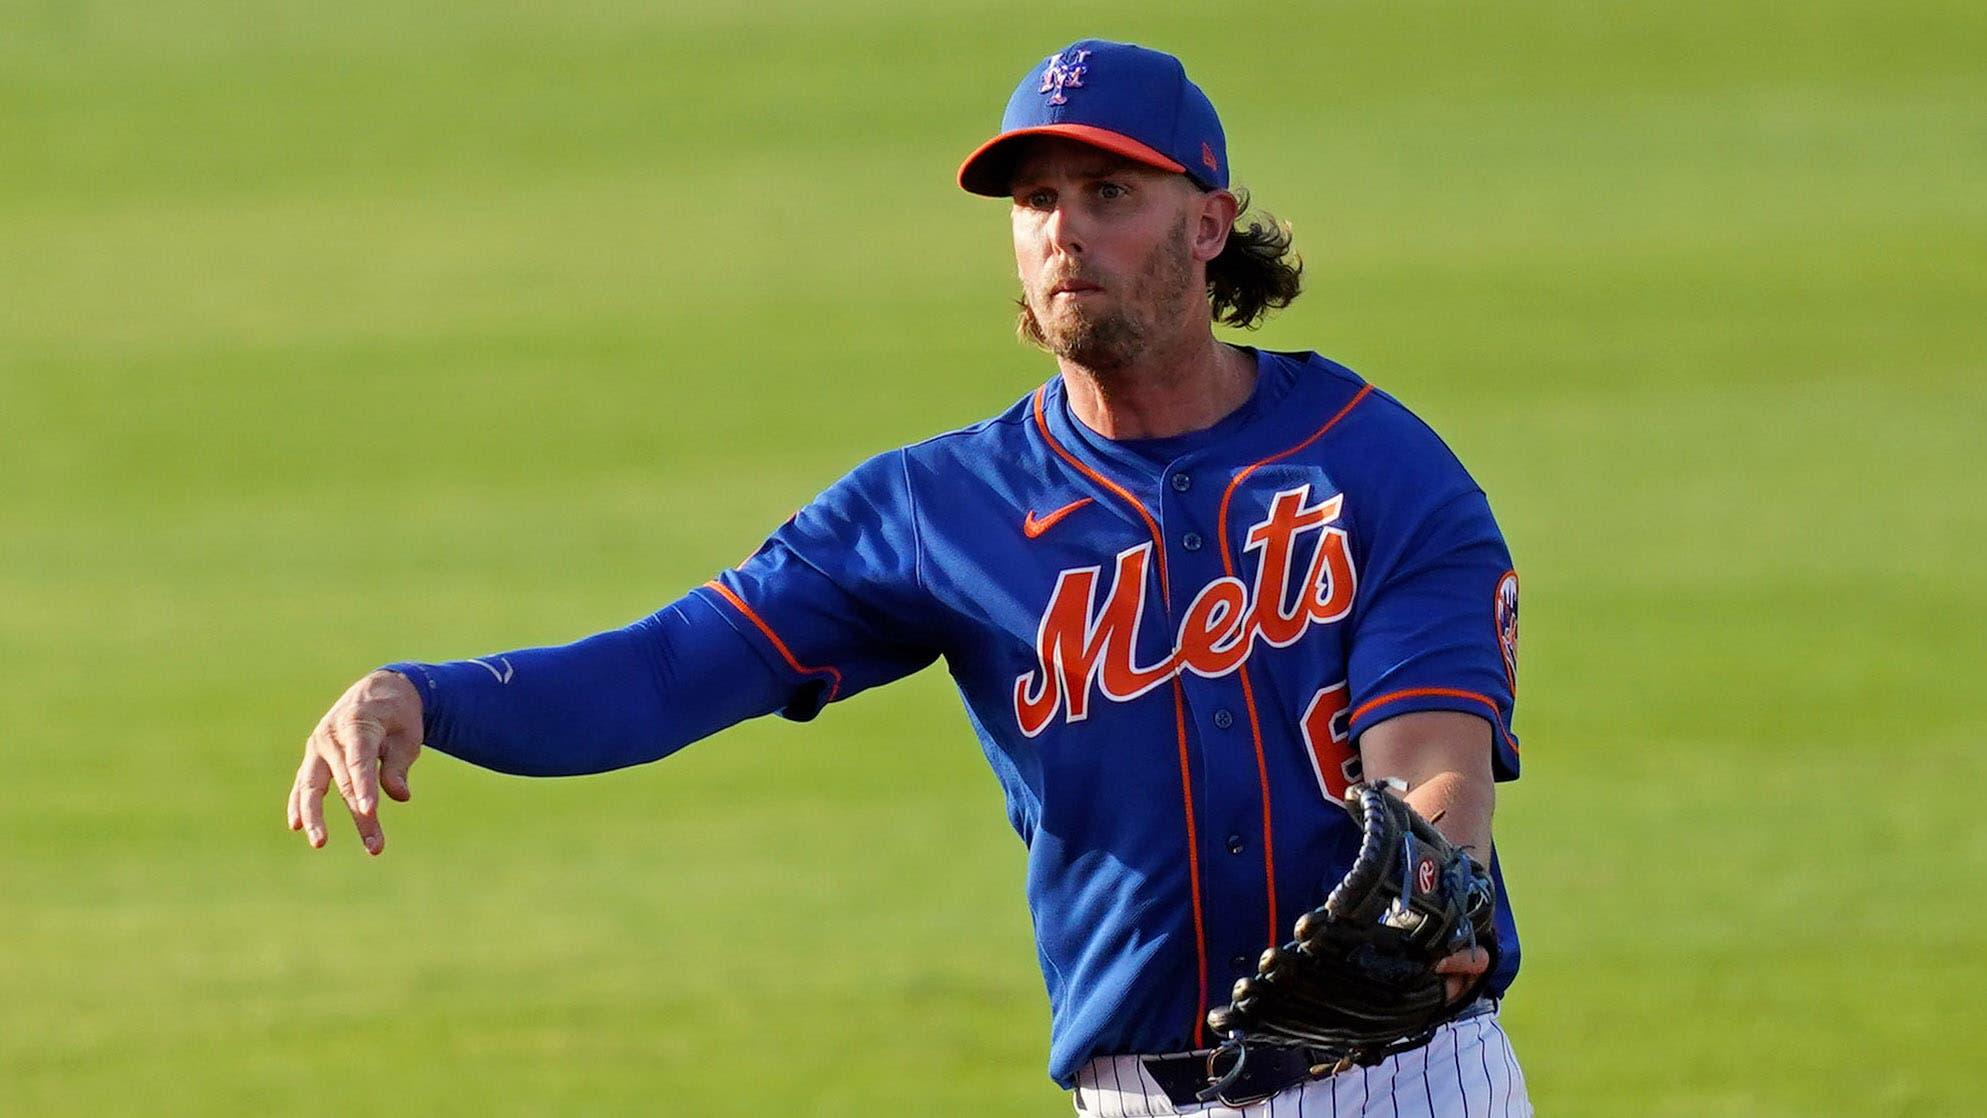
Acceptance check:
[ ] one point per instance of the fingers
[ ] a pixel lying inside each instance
(399, 756)
(324, 745)
(358, 742)
(369, 830)
(350, 749)
(361, 741)
(363, 745)
(313, 780)
(1468, 963)
(1461, 971)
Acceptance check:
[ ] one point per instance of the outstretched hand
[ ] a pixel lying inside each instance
(365, 743)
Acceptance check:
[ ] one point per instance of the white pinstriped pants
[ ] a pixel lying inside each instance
(1467, 1071)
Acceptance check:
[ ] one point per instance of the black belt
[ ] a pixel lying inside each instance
(1267, 1071)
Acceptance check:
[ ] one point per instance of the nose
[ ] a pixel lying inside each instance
(1065, 231)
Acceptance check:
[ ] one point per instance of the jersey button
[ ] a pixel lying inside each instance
(1182, 483)
(1236, 845)
(1191, 541)
(1242, 964)
(1223, 719)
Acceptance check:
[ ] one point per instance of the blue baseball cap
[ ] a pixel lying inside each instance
(1116, 96)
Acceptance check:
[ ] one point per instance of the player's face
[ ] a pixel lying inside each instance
(1107, 252)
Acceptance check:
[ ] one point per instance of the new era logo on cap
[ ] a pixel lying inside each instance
(1120, 97)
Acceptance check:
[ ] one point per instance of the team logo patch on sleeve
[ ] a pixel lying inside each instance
(1506, 612)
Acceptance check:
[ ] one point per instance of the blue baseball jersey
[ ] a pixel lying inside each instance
(1168, 650)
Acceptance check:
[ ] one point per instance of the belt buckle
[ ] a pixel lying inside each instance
(1239, 1085)
(1220, 1083)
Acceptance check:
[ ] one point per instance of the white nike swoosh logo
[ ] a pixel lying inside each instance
(502, 676)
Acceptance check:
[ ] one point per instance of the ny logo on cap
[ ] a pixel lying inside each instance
(1061, 75)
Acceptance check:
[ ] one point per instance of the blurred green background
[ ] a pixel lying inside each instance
(332, 334)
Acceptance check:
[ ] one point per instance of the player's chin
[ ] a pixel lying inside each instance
(1075, 318)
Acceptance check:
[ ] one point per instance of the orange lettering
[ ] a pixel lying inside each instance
(1214, 635)
(1080, 641)
(1073, 647)
(1275, 537)
(1329, 583)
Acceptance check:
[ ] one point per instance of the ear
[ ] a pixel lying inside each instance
(1217, 210)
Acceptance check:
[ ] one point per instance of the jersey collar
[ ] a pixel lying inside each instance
(1265, 413)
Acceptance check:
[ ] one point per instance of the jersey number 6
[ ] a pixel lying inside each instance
(1329, 742)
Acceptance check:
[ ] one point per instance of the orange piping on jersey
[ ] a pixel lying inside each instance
(1193, 860)
(1248, 689)
(1158, 545)
(1262, 779)
(1228, 563)
(1179, 716)
(785, 652)
(1496, 717)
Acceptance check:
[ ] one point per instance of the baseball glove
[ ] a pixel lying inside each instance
(1358, 983)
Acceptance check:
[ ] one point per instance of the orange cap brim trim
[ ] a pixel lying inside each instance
(982, 174)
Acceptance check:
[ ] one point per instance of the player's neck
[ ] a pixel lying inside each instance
(1189, 388)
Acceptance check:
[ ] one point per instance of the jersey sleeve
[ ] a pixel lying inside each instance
(833, 602)
(830, 605)
(1435, 623)
(624, 697)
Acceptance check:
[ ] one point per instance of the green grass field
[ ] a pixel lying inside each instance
(332, 334)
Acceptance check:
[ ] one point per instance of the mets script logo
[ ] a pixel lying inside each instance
(1081, 642)
(1063, 74)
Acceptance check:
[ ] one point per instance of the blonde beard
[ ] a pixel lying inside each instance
(1117, 338)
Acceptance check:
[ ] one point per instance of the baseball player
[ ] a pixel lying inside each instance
(1189, 592)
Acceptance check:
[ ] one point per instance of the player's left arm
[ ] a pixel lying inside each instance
(1432, 657)
(1444, 758)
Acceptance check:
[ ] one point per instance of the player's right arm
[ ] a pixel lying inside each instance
(619, 698)
(830, 605)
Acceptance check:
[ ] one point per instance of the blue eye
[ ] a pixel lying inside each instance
(1111, 190)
